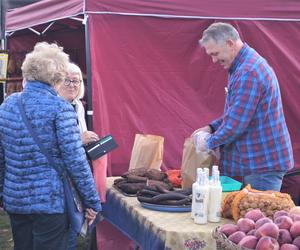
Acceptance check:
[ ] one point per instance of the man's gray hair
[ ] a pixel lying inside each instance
(219, 33)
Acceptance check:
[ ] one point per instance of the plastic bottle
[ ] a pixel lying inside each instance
(201, 200)
(194, 187)
(206, 170)
(214, 167)
(215, 198)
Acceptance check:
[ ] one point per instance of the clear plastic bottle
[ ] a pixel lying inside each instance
(201, 200)
(215, 198)
(194, 188)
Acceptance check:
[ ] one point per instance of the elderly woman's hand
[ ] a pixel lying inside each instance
(90, 215)
(89, 136)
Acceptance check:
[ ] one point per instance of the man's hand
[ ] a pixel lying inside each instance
(199, 137)
(204, 129)
(200, 141)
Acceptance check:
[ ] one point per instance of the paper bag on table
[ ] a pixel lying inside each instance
(147, 152)
(191, 161)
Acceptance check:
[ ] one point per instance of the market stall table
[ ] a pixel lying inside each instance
(154, 229)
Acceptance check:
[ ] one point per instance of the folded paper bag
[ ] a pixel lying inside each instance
(147, 152)
(191, 161)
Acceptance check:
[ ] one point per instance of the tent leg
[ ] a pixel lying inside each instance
(3, 45)
(88, 75)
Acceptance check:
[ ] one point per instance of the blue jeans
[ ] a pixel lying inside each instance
(39, 231)
(265, 181)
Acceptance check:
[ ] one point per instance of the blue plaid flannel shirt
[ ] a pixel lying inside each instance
(252, 132)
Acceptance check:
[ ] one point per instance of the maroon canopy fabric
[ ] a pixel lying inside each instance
(232, 9)
(149, 74)
(42, 12)
(48, 10)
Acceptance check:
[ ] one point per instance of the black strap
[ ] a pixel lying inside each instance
(35, 137)
(74, 107)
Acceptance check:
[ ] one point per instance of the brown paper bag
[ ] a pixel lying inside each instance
(147, 152)
(191, 161)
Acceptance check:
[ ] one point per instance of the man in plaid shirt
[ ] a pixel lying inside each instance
(252, 134)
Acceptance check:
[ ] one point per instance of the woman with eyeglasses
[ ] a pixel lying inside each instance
(72, 90)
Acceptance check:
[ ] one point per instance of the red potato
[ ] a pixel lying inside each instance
(280, 213)
(262, 221)
(251, 232)
(289, 247)
(295, 217)
(267, 243)
(296, 241)
(245, 224)
(295, 229)
(284, 237)
(268, 229)
(283, 222)
(254, 215)
(229, 229)
(236, 237)
(249, 241)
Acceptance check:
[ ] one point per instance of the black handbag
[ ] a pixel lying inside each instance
(95, 150)
(74, 207)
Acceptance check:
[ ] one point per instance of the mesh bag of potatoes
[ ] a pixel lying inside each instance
(237, 204)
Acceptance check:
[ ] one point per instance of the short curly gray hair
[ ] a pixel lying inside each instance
(219, 33)
(46, 63)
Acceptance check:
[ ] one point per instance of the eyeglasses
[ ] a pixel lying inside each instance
(67, 82)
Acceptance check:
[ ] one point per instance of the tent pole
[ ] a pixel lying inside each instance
(88, 74)
(2, 24)
(3, 42)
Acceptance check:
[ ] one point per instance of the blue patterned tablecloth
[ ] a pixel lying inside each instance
(154, 230)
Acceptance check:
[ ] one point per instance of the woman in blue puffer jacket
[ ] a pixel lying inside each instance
(31, 189)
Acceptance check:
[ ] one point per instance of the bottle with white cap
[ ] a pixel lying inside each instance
(194, 188)
(206, 170)
(201, 200)
(215, 197)
(214, 167)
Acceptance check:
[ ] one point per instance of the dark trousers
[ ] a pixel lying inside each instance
(72, 241)
(39, 231)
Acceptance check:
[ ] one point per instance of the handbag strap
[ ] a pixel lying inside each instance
(35, 137)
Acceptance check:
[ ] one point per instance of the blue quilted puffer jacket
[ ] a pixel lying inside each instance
(28, 183)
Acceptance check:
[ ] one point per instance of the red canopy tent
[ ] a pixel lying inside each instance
(145, 70)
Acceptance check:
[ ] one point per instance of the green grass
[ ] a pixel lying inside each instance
(6, 241)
